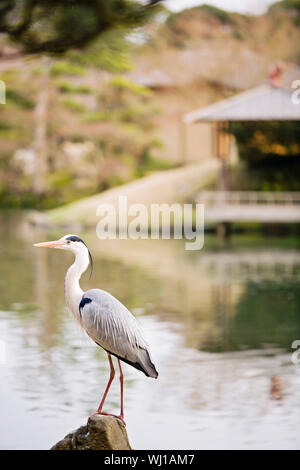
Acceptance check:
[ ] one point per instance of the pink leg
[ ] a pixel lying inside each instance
(121, 382)
(111, 378)
(121, 416)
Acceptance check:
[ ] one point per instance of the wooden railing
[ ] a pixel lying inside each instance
(213, 198)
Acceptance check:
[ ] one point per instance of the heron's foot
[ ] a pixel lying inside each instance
(110, 414)
(106, 414)
(93, 414)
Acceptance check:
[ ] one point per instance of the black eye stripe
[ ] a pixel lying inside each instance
(74, 238)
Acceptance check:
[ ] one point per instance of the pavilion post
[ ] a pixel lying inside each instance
(221, 140)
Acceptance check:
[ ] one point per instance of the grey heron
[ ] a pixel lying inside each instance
(106, 320)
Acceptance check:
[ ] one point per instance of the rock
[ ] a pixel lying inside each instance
(101, 433)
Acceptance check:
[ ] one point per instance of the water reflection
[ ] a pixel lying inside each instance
(220, 323)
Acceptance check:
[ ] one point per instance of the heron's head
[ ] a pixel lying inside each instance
(70, 243)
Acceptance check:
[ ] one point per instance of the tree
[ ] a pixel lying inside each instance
(40, 134)
(56, 26)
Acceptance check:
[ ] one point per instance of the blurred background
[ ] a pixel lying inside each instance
(174, 101)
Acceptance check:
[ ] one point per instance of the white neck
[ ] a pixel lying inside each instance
(73, 291)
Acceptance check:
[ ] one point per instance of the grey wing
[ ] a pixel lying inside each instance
(108, 322)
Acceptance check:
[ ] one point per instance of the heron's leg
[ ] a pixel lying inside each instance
(111, 378)
(121, 382)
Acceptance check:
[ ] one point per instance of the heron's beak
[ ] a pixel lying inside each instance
(53, 244)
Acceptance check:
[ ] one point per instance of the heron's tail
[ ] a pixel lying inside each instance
(146, 364)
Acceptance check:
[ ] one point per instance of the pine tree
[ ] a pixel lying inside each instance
(56, 26)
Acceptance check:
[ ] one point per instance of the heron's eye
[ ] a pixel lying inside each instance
(68, 242)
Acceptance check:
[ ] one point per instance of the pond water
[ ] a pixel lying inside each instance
(220, 323)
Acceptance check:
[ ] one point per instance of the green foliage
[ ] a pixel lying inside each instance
(221, 15)
(19, 99)
(8, 132)
(8, 75)
(110, 53)
(147, 163)
(97, 116)
(4, 126)
(258, 141)
(271, 153)
(59, 179)
(66, 87)
(55, 26)
(135, 115)
(67, 68)
(287, 5)
(122, 109)
(123, 83)
(151, 164)
(277, 174)
(74, 105)
(113, 181)
(209, 10)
